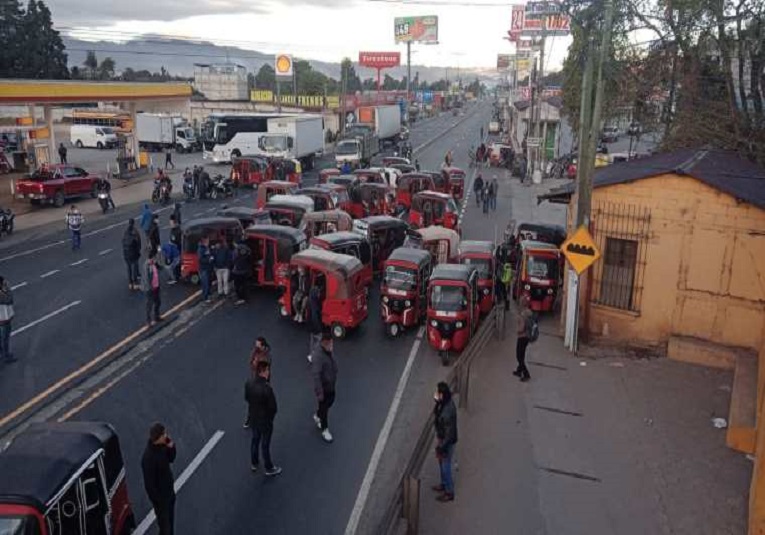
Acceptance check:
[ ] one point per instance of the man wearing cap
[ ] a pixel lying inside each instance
(324, 370)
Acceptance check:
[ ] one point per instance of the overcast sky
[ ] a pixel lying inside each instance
(316, 29)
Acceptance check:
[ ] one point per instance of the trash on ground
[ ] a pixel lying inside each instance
(719, 423)
(582, 363)
(616, 364)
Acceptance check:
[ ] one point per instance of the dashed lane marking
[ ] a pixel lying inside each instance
(19, 285)
(79, 262)
(45, 318)
(105, 252)
(49, 273)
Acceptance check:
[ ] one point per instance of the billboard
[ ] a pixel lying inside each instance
(504, 62)
(379, 60)
(283, 66)
(516, 23)
(416, 29)
(544, 16)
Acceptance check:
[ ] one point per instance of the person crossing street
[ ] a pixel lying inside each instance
(324, 369)
(150, 286)
(262, 409)
(131, 252)
(478, 189)
(6, 318)
(74, 222)
(158, 477)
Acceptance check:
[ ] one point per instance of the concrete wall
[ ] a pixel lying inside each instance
(705, 267)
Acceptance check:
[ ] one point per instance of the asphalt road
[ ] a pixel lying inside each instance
(193, 381)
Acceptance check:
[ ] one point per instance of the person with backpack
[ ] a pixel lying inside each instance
(528, 332)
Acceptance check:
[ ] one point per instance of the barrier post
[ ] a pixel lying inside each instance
(412, 505)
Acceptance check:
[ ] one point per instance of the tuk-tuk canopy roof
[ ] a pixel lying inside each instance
(437, 232)
(343, 264)
(280, 232)
(389, 160)
(330, 171)
(210, 223)
(40, 461)
(534, 245)
(419, 257)
(384, 221)
(405, 179)
(340, 238)
(335, 215)
(318, 188)
(451, 171)
(238, 212)
(556, 232)
(367, 172)
(452, 272)
(403, 167)
(280, 183)
(303, 202)
(477, 246)
(433, 195)
(374, 185)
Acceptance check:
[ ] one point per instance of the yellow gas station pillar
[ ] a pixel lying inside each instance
(52, 150)
(757, 488)
(134, 142)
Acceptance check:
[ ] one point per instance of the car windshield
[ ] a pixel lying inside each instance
(542, 267)
(400, 278)
(346, 147)
(18, 525)
(482, 266)
(448, 298)
(107, 129)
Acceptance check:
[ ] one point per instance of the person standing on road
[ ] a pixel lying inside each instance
(169, 159)
(177, 214)
(205, 267)
(480, 139)
(261, 403)
(345, 169)
(486, 197)
(261, 352)
(62, 153)
(478, 189)
(74, 221)
(175, 232)
(324, 369)
(446, 436)
(315, 304)
(158, 477)
(524, 326)
(494, 192)
(150, 286)
(171, 261)
(6, 317)
(222, 265)
(153, 234)
(131, 252)
(241, 272)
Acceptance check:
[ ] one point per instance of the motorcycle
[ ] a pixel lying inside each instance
(6, 221)
(103, 201)
(188, 189)
(161, 194)
(221, 187)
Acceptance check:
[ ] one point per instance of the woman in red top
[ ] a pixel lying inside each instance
(261, 352)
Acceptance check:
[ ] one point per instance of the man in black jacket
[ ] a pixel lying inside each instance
(324, 369)
(446, 435)
(158, 477)
(262, 411)
(131, 252)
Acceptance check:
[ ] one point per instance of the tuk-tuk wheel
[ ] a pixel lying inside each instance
(444, 357)
(194, 278)
(338, 331)
(283, 311)
(394, 329)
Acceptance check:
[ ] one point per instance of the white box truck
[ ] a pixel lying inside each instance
(299, 137)
(384, 120)
(157, 132)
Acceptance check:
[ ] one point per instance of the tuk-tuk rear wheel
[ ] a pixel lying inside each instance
(194, 278)
(338, 331)
(444, 357)
(394, 329)
(283, 311)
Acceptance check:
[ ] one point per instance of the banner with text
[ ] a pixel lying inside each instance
(416, 30)
(380, 60)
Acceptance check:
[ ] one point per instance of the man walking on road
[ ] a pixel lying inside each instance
(241, 272)
(315, 302)
(205, 267)
(158, 477)
(150, 286)
(222, 264)
(169, 159)
(74, 221)
(6, 317)
(261, 403)
(131, 252)
(524, 326)
(494, 189)
(62, 153)
(324, 370)
(446, 436)
(478, 189)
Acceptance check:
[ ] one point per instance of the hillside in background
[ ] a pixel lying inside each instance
(179, 57)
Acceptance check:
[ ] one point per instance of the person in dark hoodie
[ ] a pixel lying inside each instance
(153, 234)
(131, 252)
(158, 477)
(446, 435)
(324, 369)
(261, 402)
(315, 304)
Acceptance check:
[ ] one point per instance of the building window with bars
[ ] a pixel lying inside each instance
(617, 283)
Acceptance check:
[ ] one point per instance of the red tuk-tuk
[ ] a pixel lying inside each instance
(374, 176)
(480, 256)
(324, 197)
(350, 243)
(272, 248)
(346, 181)
(289, 209)
(249, 170)
(440, 181)
(404, 289)
(318, 223)
(217, 229)
(404, 167)
(453, 310)
(412, 183)
(370, 199)
(325, 174)
(443, 243)
(65, 479)
(385, 233)
(274, 187)
(286, 169)
(340, 279)
(538, 274)
(434, 208)
(455, 178)
(390, 161)
(246, 216)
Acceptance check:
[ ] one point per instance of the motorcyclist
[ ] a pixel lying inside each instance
(188, 183)
(104, 186)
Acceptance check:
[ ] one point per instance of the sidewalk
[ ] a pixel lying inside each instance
(606, 445)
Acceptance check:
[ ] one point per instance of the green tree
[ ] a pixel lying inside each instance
(29, 46)
(90, 64)
(11, 37)
(353, 82)
(106, 69)
(390, 83)
(266, 78)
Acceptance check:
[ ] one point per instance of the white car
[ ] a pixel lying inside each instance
(88, 135)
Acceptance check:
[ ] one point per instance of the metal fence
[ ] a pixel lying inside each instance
(406, 500)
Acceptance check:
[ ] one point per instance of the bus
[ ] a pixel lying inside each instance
(120, 121)
(230, 135)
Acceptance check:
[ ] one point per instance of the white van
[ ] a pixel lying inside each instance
(87, 135)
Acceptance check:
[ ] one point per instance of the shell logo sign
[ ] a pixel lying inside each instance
(283, 66)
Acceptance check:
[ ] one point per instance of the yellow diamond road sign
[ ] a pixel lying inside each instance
(580, 250)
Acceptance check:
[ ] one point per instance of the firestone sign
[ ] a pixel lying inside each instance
(380, 60)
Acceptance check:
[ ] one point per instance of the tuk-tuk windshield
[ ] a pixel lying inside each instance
(542, 267)
(482, 266)
(19, 525)
(400, 278)
(448, 298)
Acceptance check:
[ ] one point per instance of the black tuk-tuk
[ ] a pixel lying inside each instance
(385, 233)
(247, 216)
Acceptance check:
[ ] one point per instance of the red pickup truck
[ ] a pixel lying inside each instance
(55, 184)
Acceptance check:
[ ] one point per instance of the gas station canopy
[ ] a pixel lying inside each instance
(74, 91)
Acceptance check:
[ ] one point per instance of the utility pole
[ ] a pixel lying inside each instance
(583, 178)
(278, 95)
(540, 91)
(343, 84)
(408, 73)
(530, 124)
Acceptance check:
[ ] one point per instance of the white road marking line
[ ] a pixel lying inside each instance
(32, 251)
(19, 285)
(211, 210)
(48, 274)
(197, 214)
(382, 440)
(46, 317)
(104, 229)
(105, 251)
(146, 523)
(79, 262)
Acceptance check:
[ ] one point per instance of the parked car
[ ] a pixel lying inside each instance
(55, 184)
(88, 135)
(610, 134)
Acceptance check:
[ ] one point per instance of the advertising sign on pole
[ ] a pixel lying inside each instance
(379, 60)
(516, 23)
(283, 66)
(416, 30)
(547, 16)
(504, 62)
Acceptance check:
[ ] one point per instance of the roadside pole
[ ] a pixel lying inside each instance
(408, 76)
(278, 96)
(540, 92)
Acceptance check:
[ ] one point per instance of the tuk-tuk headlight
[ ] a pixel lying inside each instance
(407, 303)
(385, 298)
(459, 325)
(527, 287)
(485, 291)
(549, 291)
(433, 323)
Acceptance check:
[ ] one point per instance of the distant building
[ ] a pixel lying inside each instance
(225, 81)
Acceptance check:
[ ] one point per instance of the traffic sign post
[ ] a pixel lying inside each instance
(581, 252)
